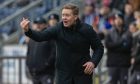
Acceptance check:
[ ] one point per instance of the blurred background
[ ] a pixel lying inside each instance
(13, 43)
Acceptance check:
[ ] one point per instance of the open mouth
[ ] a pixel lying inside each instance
(65, 22)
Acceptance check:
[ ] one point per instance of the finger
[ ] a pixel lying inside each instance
(23, 22)
(85, 64)
(87, 69)
(93, 70)
(90, 72)
(26, 19)
(26, 22)
(85, 72)
(23, 18)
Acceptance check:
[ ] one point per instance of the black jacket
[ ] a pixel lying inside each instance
(73, 45)
(136, 50)
(118, 48)
(41, 57)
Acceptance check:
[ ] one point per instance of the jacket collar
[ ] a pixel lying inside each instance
(74, 27)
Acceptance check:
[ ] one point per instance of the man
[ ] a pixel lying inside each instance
(128, 17)
(137, 18)
(73, 39)
(135, 60)
(89, 14)
(118, 44)
(53, 19)
(41, 56)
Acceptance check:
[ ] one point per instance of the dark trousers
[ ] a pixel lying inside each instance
(43, 79)
(39, 78)
(118, 75)
(135, 78)
(65, 78)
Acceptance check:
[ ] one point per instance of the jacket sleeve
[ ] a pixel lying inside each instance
(136, 48)
(47, 34)
(96, 46)
(28, 48)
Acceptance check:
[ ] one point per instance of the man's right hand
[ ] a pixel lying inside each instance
(25, 24)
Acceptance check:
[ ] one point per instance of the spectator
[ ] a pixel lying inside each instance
(41, 57)
(128, 17)
(53, 19)
(118, 44)
(135, 4)
(102, 22)
(89, 14)
(135, 60)
(133, 28)
(137, 18)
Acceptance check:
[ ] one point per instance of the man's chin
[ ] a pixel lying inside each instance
(66, 25)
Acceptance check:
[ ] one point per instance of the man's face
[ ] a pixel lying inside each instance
(132, 28)
(68, 17)
(104, 10)
(137, 15)
(118, 21)
(52, 22)
(128, 9)
(39, 26)
(88, 10)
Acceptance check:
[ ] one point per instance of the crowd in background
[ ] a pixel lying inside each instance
(117, 23)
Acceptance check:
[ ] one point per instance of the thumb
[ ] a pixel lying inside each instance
(85, 65)
(23, 18)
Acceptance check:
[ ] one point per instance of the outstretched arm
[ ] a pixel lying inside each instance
(49, 33)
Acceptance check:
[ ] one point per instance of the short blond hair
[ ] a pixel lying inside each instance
(73, 7)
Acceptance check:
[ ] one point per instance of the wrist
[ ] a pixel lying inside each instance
(93, 63)
(26, 30)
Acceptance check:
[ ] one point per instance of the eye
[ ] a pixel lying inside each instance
(63, 14)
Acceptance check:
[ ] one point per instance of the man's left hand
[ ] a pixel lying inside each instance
(89, 67)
